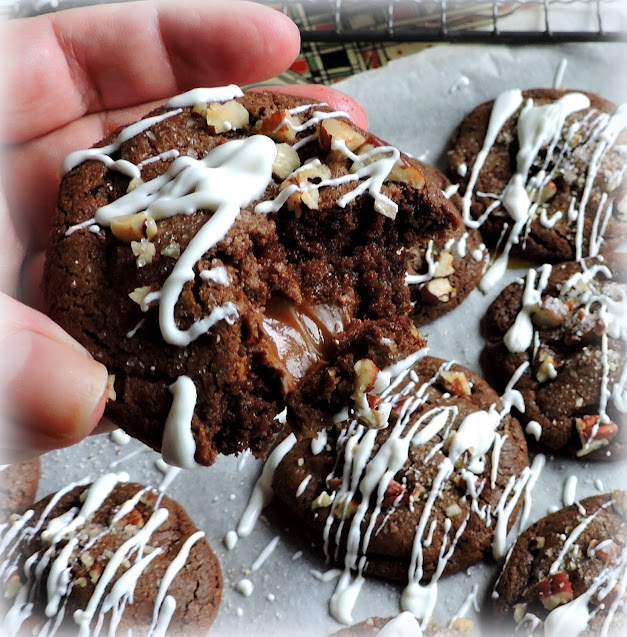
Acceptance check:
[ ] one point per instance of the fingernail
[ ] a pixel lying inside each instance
(54, 394)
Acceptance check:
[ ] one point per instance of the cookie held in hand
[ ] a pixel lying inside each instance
(224, 253)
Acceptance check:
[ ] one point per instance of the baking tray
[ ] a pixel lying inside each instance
(415, 103)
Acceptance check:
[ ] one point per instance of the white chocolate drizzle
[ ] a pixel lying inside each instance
(262, 491)
(178, 446)
(524, 197)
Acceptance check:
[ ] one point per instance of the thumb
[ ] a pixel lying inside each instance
(52, 393)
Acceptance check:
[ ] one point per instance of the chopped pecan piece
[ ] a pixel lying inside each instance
(554, 590)
(594, 434)
(456, 382)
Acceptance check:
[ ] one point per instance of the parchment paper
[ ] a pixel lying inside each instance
(414, 103)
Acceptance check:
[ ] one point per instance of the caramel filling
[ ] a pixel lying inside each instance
(302, 333)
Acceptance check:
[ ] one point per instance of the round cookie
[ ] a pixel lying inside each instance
(566, 573)
(565, 150)
(568, 323)
(113, 554)
(435, 475)
(224, 252)
(406, 625)
(18, 485)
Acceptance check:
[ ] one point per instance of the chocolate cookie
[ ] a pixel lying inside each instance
(567, 323)
(18, 485)
(542, 169)
(228, 250)
(443, 271)
(566, 574)
(430, 493)
(406, 625)
(114, 555)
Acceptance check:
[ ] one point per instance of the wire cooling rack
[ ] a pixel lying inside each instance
(499, 21)
(467, 21)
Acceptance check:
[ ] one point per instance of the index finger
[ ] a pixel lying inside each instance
(59, 67)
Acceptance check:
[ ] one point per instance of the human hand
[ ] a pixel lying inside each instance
(69, 79)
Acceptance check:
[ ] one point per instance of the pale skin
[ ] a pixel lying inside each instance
(67, 81)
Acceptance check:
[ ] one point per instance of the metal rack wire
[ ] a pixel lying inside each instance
(451, 20)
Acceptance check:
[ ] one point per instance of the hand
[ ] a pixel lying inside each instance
(69, 79)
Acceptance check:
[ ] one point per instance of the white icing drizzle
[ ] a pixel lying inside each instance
(265, 554)
(262, 491)
(134, 331)
(199, 95)
(230, 540)
(178, 445)
(534, 428)
(245, 587)
(520, 335)
(462, 170)
(572, 538)
(450, 190)
(58, 584)
(613, 125)
(570, 490)
(319, 442)
(415, 279)
(303, 485)
(171, 572)
(218, 275)
(135, 543)
(505, 105)
(102, 154)
(470, 602)
(327, 576)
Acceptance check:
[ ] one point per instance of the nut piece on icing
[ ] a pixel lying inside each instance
(594, 434)
(225, 116)
(134, 227)
(332, 130)
(307, 192)
(278, 125)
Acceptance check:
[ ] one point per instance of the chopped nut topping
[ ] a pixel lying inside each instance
(444, 266)
(555, 590)
(548, 192)
(144, 251)
(322, 501)
(594, 434)
(111, 395)
(86, 560)
(392, 493)
(333, 130)
(456, 382)
(550, 313)
(453, 510)
(134, 227)
(286, 162)
(225, 116)
(437, 291)
(307, 192)
(278, 125)
(172, 250)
